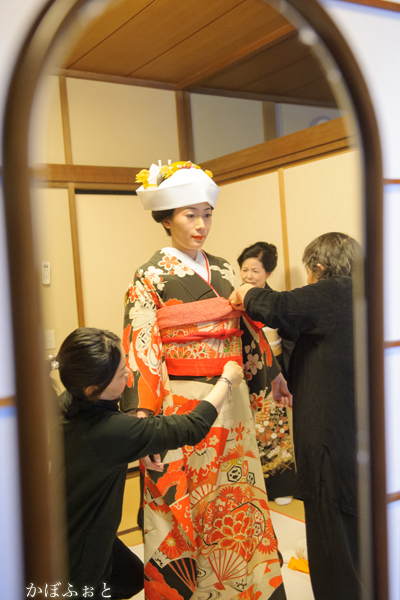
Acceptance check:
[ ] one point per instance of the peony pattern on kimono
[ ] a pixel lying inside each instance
(208, 531)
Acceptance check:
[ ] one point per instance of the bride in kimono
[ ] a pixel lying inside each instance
(207, 528)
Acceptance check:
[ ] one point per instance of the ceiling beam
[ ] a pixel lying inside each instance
(200, 90)
(263, 97)
(85, 176)
(112, 79)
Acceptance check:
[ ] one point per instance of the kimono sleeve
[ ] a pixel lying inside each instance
(142, 345)
(260, 365)
(312, 309)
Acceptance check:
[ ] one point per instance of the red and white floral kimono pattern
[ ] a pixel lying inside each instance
(207, 528)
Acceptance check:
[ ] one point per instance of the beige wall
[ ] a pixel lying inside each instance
(110, 125)
(248, 211)
(47, 142)
(121, 125)
(116, 236)
(321, 196)
(53, 244)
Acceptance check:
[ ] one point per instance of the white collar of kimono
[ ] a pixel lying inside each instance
(199, 265)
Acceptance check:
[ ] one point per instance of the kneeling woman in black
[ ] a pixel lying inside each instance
(99, 443)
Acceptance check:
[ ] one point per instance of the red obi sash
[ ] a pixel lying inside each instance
(190, 334)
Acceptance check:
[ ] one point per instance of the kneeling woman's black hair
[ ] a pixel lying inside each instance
(87, 357)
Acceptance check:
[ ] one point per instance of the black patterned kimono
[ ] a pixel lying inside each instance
(207, 527)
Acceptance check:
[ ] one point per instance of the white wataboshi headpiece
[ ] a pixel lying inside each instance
(176, 185)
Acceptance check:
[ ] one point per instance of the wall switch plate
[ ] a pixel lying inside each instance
(46, 273)
(49, 339)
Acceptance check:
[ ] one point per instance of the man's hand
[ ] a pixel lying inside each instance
(280, 393)
(237, 296)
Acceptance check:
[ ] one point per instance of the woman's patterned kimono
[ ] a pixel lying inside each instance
(207, 528)
(274, 438)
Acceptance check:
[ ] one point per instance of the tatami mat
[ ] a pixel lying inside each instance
(288, 531)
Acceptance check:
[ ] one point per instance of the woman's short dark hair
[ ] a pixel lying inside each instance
(266, 253)
(334, 251)
(89, 357)
(160, 215)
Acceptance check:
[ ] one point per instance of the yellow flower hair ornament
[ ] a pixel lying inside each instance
(142, 177)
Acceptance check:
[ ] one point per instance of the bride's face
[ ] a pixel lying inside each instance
(189, 227)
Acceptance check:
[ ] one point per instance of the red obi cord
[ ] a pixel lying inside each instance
(197, 367)
(202, 311)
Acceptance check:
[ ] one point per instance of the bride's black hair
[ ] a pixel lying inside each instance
(160, 215)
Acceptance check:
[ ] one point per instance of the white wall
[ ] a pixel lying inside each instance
(15, 18)
(295, 117)
(374, 37)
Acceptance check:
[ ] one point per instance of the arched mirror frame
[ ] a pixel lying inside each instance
(42, 517)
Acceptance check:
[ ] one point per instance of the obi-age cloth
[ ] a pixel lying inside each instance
(207, 528)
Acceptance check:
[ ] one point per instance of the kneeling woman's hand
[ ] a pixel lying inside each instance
(233, 372)
(231, 376)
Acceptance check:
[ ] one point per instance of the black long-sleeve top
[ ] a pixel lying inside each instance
(99, 442)
(321, 379)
